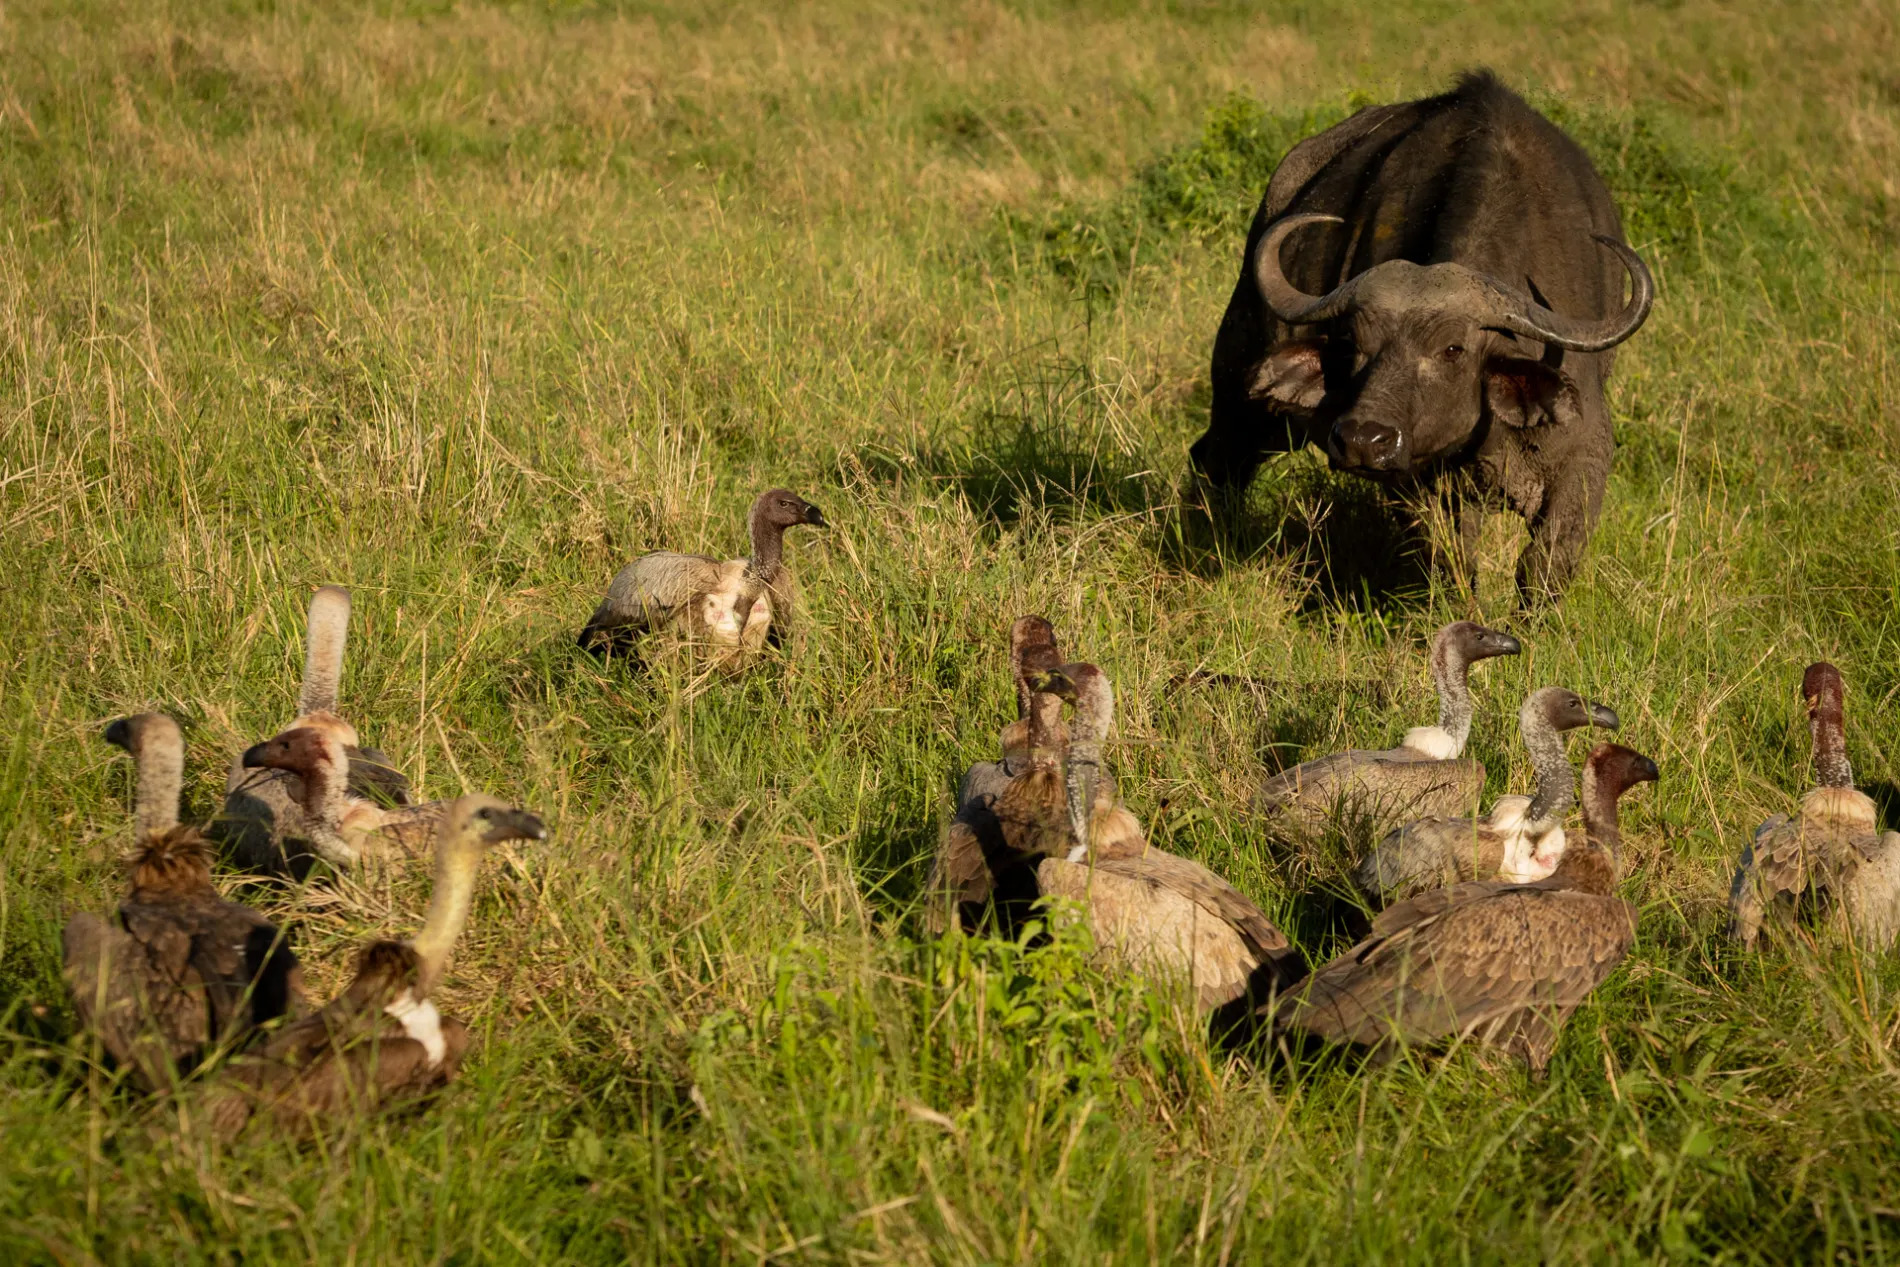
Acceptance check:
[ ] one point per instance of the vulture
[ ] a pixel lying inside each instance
(382, 1040)
(1155, 913)
(1522, 837)
(262, 827)
(1832, 853)
(340, 824)
(1426, 776)
(736, 606)
(180, 972)
(975, 868)
(1500, 963)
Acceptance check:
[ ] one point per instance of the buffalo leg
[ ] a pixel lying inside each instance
(1559, 532)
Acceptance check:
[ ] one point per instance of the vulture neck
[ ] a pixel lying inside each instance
(1831, 766)
(458, 860)
(1602, 820)
(1556, 781)
(327, 631)
(325, 794)
(1094, 713)
(768, 543)
(161, 771)
(1045, 718)
(1451, 674)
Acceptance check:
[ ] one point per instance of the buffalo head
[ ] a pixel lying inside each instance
(1413, 356)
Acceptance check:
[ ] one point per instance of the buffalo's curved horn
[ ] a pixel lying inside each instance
(1287, 302)
(1520, 314)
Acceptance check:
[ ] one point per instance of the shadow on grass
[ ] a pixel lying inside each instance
(1045, 447)
(1349, 542)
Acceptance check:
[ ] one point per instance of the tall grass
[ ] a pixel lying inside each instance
(462, 306)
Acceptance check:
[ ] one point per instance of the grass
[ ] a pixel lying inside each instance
(462, 306)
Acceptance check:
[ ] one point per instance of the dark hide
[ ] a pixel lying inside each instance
(1407, 388)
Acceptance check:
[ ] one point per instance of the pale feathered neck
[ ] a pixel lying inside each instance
(458, 861)
(160, 764)
(1451, 673)
(327, 631)
(1556, 780)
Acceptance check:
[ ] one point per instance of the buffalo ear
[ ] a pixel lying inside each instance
(1523, 393)
(1291, 375)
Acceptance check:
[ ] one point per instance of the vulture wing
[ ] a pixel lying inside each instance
(1773, 872)
(175, 993)
(1154, 930)
(374, 778)
(1429, 853)
(652, 591)
(1463, 966)
(1392, 782)
(104, 967)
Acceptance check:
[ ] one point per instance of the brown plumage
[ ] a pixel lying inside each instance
(1498, 963)
(180, 971)
(381, 1041)
(1832, 854)
(976, 871)
(737, 606)
(1426, 775)
(1521, 838)
(340, 825)
(262, 826)
(1155, 913)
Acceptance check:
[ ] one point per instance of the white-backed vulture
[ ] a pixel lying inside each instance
(262, 827)
(340, 825)
(1157, 914)
(1831, 853)
(180, 971)
(1504, 964)
(737, 606)
(1520, 839)
(382, 1040)
(976, 872)
(1426, 776)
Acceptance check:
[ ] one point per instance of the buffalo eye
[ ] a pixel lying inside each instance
(1453, 352)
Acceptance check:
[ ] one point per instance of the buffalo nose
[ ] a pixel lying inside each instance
(1367, 446)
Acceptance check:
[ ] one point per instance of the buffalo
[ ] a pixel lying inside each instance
(1449, 308)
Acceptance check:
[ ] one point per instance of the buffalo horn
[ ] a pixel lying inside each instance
(1289, 303)
(1520, 314)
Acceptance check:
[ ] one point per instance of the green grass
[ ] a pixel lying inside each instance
(462, 306)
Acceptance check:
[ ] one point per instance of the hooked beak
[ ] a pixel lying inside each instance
(1646, 771)
(1602, 715)
(1507, 645)
(253, 755)
(815, 517)
(515, 824)
(120, 734)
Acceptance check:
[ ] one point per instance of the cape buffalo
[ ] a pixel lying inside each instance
(1454, 291)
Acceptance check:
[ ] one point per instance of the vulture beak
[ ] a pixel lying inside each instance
(815, 517)
(515, 824)
(1602, 715)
